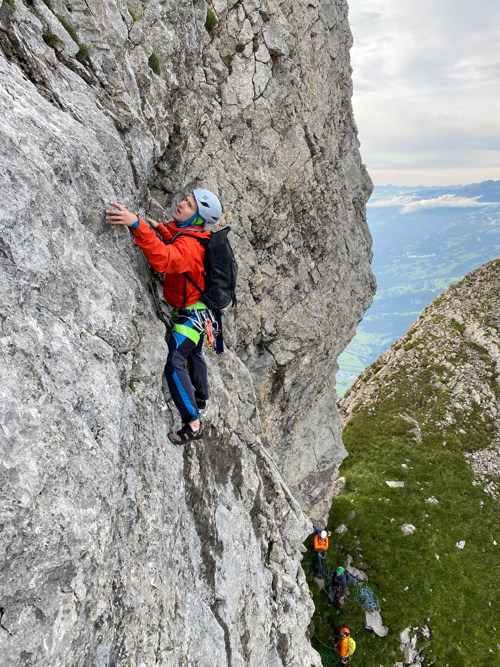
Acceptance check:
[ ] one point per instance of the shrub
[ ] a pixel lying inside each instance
(457, 326)
(228, 61)
(69, 28)
(50, 39)
(211, 20)
(240, 48)
(82, 54)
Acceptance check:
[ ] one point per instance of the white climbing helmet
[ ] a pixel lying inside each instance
(323, 534)
(209, 207)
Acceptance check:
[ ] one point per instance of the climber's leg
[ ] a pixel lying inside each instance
(181, 344)
(198, 374)
(316, 563)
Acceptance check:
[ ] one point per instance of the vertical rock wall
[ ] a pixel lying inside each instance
(118, 548)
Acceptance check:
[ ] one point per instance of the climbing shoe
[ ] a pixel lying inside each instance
(186, 434)
(201, 403)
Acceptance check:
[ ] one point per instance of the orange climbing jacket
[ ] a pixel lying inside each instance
(342, 647)
(185, 255)
(319, 544)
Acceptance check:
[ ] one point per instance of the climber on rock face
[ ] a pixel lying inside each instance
(181, 262)
(337, 589)
(320, 548)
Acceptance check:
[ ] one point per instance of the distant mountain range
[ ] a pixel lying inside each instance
(488, 191)
(424, 239)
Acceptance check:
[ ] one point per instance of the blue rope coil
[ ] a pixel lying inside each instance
(364, 594)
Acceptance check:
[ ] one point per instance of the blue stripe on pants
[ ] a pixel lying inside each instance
(183, 394)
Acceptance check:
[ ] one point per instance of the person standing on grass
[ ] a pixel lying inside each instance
(337, 589)
(345, 646)
(182, 263)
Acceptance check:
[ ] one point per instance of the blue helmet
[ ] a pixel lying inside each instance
(209, 207)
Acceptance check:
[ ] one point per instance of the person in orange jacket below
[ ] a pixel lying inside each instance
(342, 646)
(185, 255)
(320, 548)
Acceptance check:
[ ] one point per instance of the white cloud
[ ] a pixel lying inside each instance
(410, 204)
(426, 93)
(396, 200)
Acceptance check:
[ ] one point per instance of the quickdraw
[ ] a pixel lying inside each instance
(205, 322)
(210, 336)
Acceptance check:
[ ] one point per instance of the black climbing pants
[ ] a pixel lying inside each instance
(186, 386)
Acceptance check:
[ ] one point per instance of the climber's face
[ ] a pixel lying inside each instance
(185, 210)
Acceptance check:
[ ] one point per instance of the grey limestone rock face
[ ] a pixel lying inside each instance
(117, 548)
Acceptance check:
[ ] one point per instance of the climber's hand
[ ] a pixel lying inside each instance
(153, 223)
(121, 216)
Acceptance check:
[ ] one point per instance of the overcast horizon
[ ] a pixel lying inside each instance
(426, 90)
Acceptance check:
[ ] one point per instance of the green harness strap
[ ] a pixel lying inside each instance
(189, 332)
(198, 305)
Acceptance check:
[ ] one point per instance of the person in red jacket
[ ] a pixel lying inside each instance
(189, 389)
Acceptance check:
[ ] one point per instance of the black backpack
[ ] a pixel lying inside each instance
(221, 270)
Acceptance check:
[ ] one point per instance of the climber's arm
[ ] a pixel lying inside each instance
(163, 258)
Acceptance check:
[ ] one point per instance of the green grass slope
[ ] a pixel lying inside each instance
(421, 414)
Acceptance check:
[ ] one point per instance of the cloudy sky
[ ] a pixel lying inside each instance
(427, 89)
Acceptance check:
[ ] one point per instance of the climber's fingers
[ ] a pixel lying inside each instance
(120, 216)
(153, 223)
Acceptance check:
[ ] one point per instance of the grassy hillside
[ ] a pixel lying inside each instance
(419, 415)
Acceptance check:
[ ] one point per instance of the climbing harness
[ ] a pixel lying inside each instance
(204, 321)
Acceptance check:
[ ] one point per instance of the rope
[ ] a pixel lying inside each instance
(324, 574)
(364, 594)
(329, 658)
(169, 329)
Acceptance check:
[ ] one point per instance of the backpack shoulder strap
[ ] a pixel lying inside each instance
(174, 237)
(192, 282)
(202, 240)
